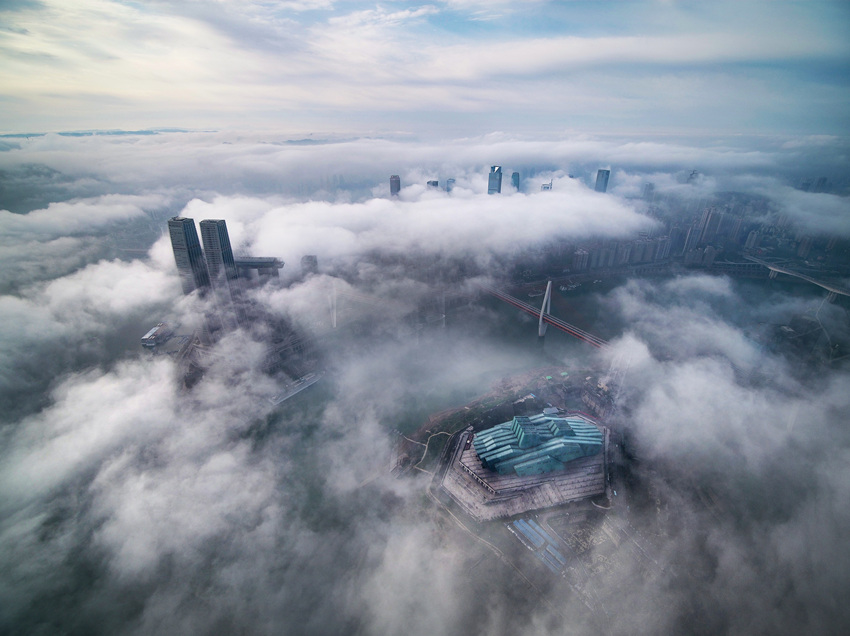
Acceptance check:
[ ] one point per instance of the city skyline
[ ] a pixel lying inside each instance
(282, 352)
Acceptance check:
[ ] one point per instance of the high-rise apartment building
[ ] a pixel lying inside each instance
(710, 223)
(494, 185)
(191, 266)
(602, 180)
(395, 185)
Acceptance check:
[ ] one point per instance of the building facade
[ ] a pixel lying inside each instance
(537, 444)
(602, 177)
(191, 266)
(494, 183)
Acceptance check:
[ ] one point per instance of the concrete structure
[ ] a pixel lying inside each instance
(485, 494)
(494, 183)
(191, 266)
(395, 185)
(265, 266)
(309, 264)
(221, 266)
(157, 336)
(548, 318)
(834, 289)
(602, 177)
(537, 444)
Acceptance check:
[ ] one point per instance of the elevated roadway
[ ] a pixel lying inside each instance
(775, 268)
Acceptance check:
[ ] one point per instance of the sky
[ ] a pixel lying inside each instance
(445, 69)
(130, 505)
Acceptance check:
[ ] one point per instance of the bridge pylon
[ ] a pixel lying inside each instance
(545, 309)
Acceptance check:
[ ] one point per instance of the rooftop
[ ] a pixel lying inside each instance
(537, 444)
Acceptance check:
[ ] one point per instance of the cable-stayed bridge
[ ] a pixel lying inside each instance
(544, 317)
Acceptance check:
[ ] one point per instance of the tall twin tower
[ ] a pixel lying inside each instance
(211, 269)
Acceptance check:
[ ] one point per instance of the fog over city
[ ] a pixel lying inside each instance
(141, 496)
(131, 505)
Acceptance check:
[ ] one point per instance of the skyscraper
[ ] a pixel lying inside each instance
(221, 265)
(188, 255)
(309, 264)
(710, 223)
(433, 183)
(217, 250)
(395, 185)
(515, 180)
(450, 184)
(602, 180)
(494, 185)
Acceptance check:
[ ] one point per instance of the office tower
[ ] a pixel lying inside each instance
(450, 184)
(395, 185)
(433, 184)
(602, 180)
(309, 264)
(515, 180)
(188, 255)
(494, 185)
(217, 251)
(222, 266)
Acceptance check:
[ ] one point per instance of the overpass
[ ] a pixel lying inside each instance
(545, 317)
(775, 268)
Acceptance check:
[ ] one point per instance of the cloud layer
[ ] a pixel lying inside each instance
(451, 67)
(128, 505)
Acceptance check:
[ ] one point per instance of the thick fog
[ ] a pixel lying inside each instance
(130, 505)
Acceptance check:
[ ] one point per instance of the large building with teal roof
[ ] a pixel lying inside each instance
(537, 444)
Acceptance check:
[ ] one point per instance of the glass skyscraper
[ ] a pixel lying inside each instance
(494, 185)
(188, 255)
(602, 180)
(221, 264)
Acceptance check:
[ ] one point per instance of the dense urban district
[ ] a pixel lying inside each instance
(539, 471)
